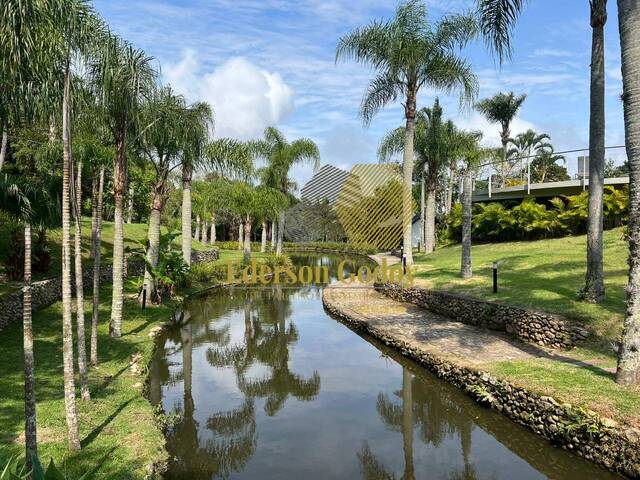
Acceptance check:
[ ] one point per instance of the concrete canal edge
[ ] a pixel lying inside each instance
(600, 440)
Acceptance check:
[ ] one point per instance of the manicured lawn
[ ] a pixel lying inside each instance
(547, 275)
(117, 428)
(544, 275)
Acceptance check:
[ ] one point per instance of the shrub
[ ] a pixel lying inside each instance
(532, 221)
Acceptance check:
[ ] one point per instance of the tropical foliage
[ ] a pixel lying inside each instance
(494, 222)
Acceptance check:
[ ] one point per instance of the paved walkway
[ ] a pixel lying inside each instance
(442, 337)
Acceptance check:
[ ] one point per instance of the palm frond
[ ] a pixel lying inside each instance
(497, 20)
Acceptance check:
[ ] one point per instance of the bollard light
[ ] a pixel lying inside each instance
(144, 297)
(495, 277)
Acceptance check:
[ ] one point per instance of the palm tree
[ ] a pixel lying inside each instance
(593, 290)
(408, 54)
(502, 108)
(197, 127)
(162, 141)
(435, 145)
(82, 346)
(544, 166)
(122, 77)
(281, 156)
(497, 20)
(473, 156)
(96, 234)
(524, 144)
(628, 371)
(31, 202)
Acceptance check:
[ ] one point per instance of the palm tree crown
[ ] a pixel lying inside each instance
(408, 54)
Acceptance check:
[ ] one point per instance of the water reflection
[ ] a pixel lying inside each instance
(264, 385)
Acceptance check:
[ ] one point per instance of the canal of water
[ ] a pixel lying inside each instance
(263, 384)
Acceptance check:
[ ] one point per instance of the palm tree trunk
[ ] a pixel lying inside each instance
(119, 182)
(186, 213)
(31, 443)
(247, 239)
(629, 18)
(465, 264)
(449, 197)
(407, 180)
(153, 251)
(407, 425)
(67, 321)
(423, 226)
(240, 235)
(594, 279)
(212, 237)
(82, 345)
(204, 233)
(196, 235)
(430, 219)
(280, 233)
(5, 141)
(95, 244)
(263, 245)
(274, 234)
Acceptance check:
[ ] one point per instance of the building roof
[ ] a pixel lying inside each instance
(324, 185)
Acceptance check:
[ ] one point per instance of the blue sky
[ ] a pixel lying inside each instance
(271, 62)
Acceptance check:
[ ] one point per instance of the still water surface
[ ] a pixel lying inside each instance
(265, 385)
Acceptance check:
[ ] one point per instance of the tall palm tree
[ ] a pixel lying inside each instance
(162, 140)
(408, 54)
(497, 32)
(76, 203)
(122, 77)
(473, 156)
(281, 156)
(502, 108)
(593, 290)
(31, 202)
(197, 131)
(96, 236)
(497, 20)
(629, 356)
(431, 144)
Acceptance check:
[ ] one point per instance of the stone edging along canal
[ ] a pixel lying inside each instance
(597, 439)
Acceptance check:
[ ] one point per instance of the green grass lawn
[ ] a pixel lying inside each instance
(134, 233)
(544, 275)
(547, 275)
(118, 434)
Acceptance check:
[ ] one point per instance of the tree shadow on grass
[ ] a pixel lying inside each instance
(96, 431)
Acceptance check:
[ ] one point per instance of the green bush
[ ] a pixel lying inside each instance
(493, 222)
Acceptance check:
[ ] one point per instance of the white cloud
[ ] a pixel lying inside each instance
(245, 98)
(551, 52)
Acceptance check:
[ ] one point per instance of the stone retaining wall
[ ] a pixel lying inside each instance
(599, 440)
(528, 325)
(47, 292)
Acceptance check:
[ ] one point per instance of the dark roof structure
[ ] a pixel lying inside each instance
(324, 185)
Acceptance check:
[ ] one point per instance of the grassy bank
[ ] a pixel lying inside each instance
(543, 274)
(134, 234)
(118, 432)
(117, 428)
(547, 275)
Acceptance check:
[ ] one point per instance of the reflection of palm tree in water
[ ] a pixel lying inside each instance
(234, 431)
(267, 340)
(434, 412)
(269, 345)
